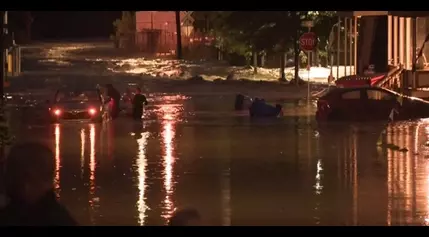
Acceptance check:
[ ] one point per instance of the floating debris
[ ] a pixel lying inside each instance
(403, 150)
(392, 147)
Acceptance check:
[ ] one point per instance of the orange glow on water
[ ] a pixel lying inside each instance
(82, 151)
(168, 135)
(92, 165)
(57, 184)
(169, 114)
(142, 186)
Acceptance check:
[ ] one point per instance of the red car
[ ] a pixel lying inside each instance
(369, 104)
(86, 104)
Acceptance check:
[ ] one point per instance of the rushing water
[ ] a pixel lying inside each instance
(195, 152)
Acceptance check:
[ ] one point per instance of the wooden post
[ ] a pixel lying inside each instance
(414, 50)
(282, 66)
(355, 34)
(408, 43)
(395, 40)
(2, 79)
(401, 41)
(179, 35)
(2, 58)
(350, 35)
(296, 58)
(345, 45)
(338, 47)
(389, 40)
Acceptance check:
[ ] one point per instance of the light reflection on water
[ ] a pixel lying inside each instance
(57, 181)
(169, 113)
(239, 172)
(92, 170)
(82, 151)
(168, 134)
(141, 166)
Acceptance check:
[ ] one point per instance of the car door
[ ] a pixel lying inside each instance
(350, 106)
(379, 103)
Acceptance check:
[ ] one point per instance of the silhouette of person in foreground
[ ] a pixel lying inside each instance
(185, 217)
(29, 187)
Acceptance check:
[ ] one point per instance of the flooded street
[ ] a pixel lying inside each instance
(195, 151)
(236, 171)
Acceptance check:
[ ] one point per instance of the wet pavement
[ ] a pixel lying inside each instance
(195, 151)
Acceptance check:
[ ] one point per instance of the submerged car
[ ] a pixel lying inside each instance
(362, 104)
(259, 108)
(85, 104)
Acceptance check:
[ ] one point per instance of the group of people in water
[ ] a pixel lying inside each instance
(257, 107)
(135, 98)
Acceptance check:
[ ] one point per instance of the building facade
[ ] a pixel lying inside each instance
(156, 31)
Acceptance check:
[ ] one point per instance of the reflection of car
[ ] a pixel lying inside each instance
(369, 104)
(78, 105)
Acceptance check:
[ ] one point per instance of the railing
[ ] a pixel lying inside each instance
(393, 78)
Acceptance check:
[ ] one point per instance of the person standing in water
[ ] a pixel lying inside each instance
(138, 101)
(115, 96)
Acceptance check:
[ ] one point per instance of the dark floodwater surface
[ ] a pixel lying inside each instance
(195, 152)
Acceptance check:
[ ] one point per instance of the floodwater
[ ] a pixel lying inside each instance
(195, 152)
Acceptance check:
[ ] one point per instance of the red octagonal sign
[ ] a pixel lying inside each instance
(308, 41)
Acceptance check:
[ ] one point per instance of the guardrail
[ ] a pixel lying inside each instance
(392, 79)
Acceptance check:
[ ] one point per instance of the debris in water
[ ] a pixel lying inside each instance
(403, 150)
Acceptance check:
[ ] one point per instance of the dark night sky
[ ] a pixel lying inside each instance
(73, 24)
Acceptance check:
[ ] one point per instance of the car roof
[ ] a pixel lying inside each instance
(337, 90)
(67, 89)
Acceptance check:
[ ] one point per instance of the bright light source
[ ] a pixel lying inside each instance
(92, 111)
(57, 112)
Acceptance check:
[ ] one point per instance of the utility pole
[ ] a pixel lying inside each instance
(3, 58)
(179, 36)
(2, 75)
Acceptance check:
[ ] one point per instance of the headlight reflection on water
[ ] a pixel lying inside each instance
(57, 184)
(141, 166)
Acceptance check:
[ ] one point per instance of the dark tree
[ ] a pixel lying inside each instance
(20, 23)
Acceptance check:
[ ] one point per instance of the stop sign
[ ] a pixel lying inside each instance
(308, 41)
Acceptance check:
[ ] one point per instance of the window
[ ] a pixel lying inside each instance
(379, 95)
(351, 95)
(79, 96)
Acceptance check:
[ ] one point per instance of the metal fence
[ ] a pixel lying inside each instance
(156, 41)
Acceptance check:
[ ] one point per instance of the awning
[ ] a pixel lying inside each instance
(383, 13)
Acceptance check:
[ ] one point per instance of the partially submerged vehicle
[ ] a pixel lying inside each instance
(78, 104)
(260, 108)
(257, 107)
(359, 99)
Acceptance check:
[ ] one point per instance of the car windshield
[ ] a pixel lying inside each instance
(77, 96)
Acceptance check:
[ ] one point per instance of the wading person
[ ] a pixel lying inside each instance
(139, 101)
(29, 178)
(115, 98)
